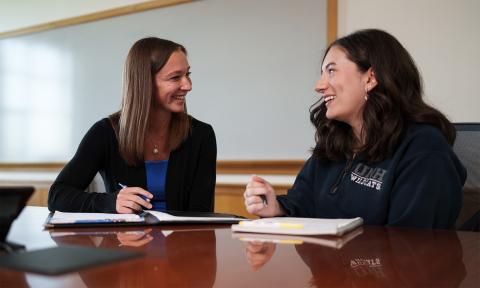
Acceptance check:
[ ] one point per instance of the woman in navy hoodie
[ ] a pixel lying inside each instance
(381, 152)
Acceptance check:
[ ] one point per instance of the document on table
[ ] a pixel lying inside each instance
(299, 226)
(148, 217)
(79, 218)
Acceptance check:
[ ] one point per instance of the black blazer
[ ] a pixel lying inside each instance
(190, 182)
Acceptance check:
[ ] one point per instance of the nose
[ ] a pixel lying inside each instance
(321, 85)
(186, 84)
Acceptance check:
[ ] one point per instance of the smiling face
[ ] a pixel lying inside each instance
(344, 87)
(173, 83)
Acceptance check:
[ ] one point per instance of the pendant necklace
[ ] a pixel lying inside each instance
(155, 149)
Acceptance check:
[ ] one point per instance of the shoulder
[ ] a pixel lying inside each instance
(201, 128)
(427, 144)
(425, 138)
(100, 129)
(102, 124)
(312, 165)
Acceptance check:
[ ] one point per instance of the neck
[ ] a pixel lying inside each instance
(158, 123)
(357, 132)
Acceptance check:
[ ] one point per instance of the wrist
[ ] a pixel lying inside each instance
(279, 211)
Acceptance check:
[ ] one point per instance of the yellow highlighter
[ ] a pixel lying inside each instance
(276, 241)
(284, 225)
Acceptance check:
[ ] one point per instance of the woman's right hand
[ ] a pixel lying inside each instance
(254, 203)
(133, 200)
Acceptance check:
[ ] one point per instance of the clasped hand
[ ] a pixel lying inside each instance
(254, 203)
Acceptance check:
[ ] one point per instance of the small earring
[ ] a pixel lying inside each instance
(366, 93)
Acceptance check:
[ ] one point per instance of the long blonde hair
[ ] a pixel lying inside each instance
(146, 57)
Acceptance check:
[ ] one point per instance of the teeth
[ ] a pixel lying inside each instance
(329, 98)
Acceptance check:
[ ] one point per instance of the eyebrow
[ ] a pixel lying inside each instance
(329, 65)
(177, 72)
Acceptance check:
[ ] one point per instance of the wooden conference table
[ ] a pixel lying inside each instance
(211, 256)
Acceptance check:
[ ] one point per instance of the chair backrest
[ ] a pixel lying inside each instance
(467, 148)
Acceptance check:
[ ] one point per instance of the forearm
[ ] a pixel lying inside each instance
(63, 197)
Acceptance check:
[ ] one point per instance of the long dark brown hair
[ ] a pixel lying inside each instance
(146, 57)
(393, 104)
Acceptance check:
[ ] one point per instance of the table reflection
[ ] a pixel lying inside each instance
(377, 257)
(406, 258)
(259, 248)
(8, 279)
(172, 256)
(259, 253)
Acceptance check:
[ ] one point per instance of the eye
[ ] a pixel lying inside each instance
(330, 71)
(176, 77)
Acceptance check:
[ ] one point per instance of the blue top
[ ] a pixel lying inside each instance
(419, 185)
(156, 176)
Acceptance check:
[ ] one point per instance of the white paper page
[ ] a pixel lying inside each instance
(298, 226)
(67, 218)
(170, 218)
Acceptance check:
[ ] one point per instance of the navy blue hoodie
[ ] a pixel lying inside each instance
(419, 186)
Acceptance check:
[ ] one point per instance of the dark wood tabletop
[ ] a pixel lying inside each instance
(213, 256)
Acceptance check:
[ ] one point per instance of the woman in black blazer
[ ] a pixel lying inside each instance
(151, 154)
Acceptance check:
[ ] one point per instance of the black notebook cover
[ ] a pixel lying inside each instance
(62, 259)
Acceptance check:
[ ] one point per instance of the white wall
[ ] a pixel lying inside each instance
(24, 13)
(444, 39)
(259, 86)
(254, 66)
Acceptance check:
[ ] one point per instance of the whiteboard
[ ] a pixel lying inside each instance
(254, 66)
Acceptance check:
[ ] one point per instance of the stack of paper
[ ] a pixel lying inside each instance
(299, 226)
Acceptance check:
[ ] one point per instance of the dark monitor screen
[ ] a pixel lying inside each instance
(12, 201)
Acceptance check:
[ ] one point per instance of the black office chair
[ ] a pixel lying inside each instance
(467, 148)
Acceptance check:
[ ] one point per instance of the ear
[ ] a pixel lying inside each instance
(371, 79)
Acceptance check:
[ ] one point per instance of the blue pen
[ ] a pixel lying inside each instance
(142, 196)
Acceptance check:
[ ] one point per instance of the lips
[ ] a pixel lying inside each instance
(329, 98)
(179, 97)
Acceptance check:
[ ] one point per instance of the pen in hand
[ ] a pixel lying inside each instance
(263, 196)
(122, 186)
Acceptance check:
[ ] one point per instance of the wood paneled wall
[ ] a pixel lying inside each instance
(228, 196)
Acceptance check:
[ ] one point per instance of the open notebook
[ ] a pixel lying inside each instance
(149, 217)
(299, 226)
